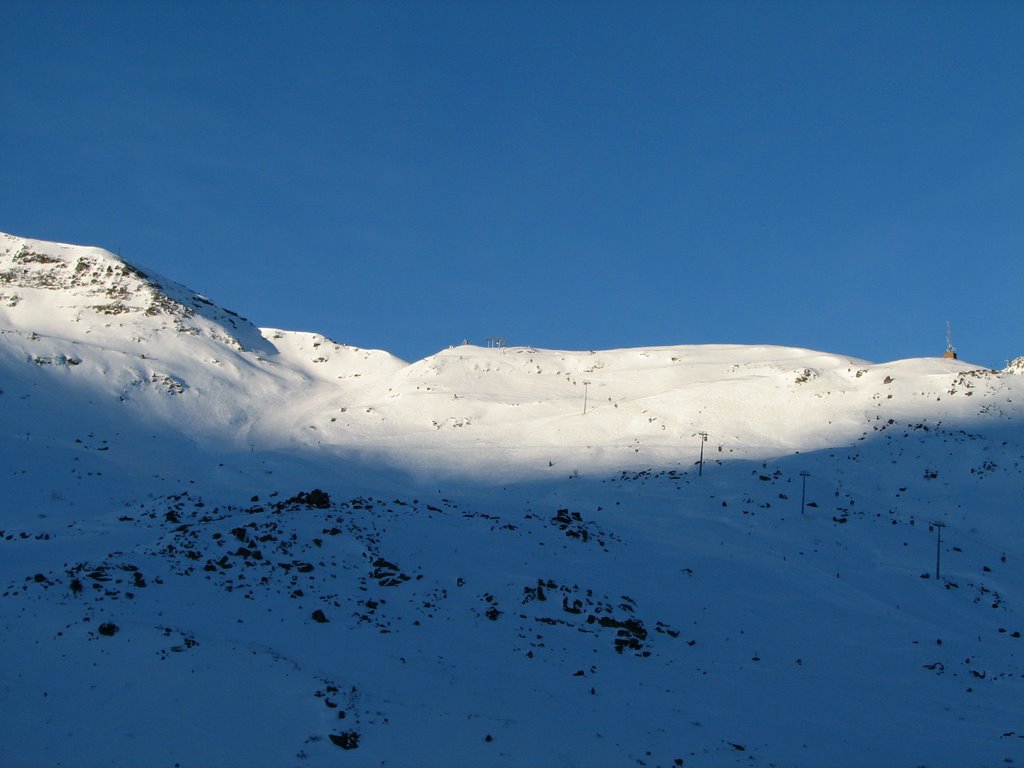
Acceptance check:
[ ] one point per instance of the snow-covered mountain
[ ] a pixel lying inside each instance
(226, 545)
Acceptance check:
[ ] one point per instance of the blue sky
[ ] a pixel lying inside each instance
(844, 176)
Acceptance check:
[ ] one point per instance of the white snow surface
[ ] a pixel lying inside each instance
(518, 557)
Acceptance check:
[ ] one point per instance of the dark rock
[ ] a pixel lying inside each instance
(346, 740)
(632, 627)
(316, 498)
(108, 629)
(320, 617)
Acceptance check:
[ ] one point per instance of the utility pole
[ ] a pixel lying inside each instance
(586, 385)
(938, 546)
(803, 492)
(700, 464)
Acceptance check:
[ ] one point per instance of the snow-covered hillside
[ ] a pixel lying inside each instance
(225, 545)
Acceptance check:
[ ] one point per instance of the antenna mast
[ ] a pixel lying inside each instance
(950, 349)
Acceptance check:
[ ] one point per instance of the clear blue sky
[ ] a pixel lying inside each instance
(845, 176)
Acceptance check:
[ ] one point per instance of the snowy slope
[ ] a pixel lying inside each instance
(165, 352)
(514, 559)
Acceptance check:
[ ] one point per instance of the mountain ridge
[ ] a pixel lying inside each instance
(212, 372)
